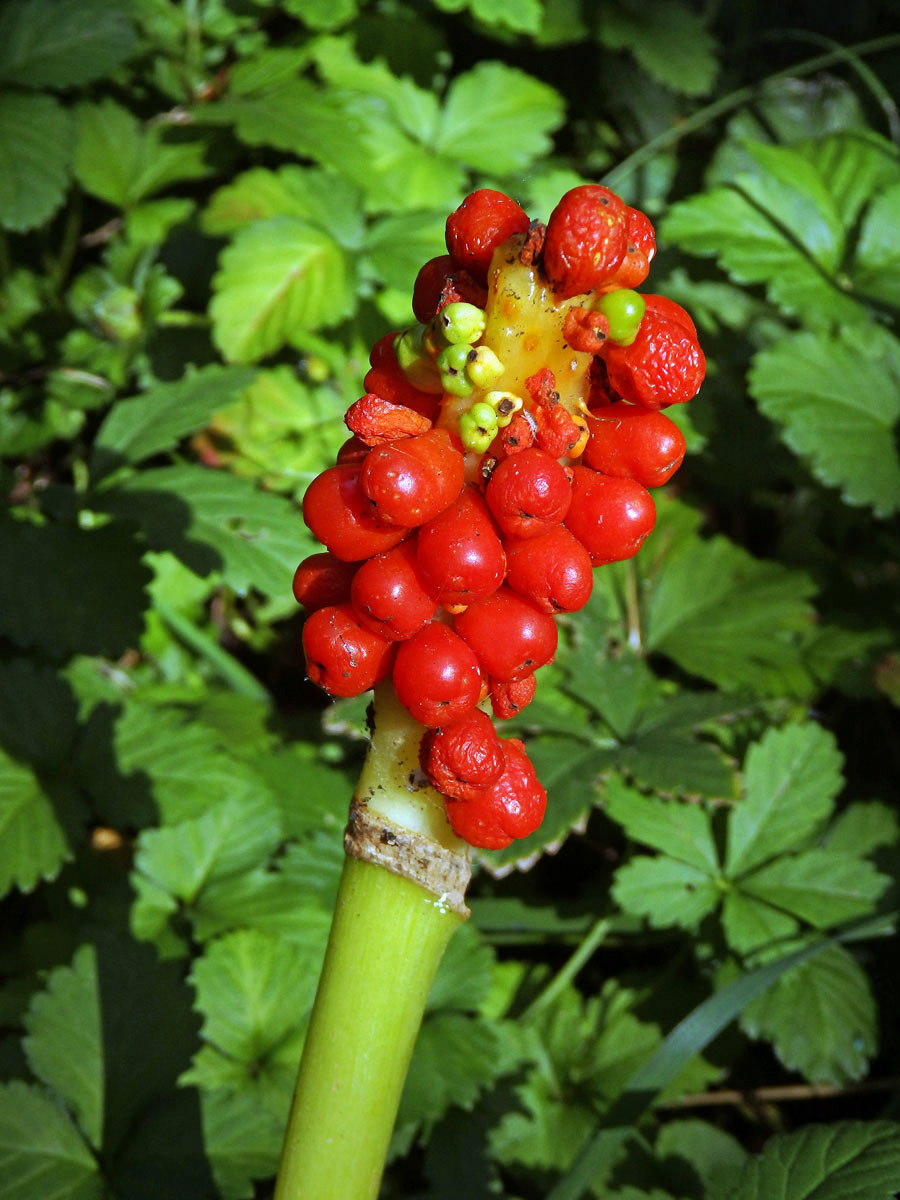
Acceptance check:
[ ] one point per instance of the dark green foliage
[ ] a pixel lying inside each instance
(208, 213)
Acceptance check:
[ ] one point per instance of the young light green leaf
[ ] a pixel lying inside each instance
(278, 279)
(121, 163)
(498, 119)
(214, 521)
(60, 43)
(665, 892)
(669, 40)
(682, 831)
(33, 844)
(397, 246)
(41, 1152)
(157, 419)
(822, 887)
(837, 409)
(723, 615)
(863, 828)
(825, 1162)
(821, 1018)
(792, 776)
(35, 151)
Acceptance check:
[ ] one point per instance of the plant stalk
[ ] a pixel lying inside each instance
(400, 900)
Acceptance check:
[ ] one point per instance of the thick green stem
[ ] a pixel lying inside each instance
(400, 900)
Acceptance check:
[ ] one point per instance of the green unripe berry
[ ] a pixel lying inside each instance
(483, 366)
(457, 383)
(454, 358)
(460, 322)
(415, 362)
(484, 415)
(505, 405)
(473, 436)
(624, 309)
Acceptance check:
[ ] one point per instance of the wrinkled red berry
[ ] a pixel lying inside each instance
(464, 758)
(375, 420)
(483, 221)
(510, 696)
(636, 443)
(586, 239)
(553, 571)
(342, 656)
(512, 808)
(664, 364)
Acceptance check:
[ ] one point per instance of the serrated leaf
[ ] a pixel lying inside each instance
(822, 887)
(121, 163)
(322, 197)
(837, 409)
(241, 1139)
(41, 1152)
(91, 584)
(157, 419)
(35, 151)
(682, 831)
(726, 616)
(665, 892)
(863, 828)
(750, 924)
(322, 14)
(465, 972)
(827, 1162)
(877, 258)
(278, 279)
(498, 119)
(855, 164)
(821, 1018)
(792, 776)
(669, 40)
(398, 245)
(59, 43)
(214, 521)
(33, 844)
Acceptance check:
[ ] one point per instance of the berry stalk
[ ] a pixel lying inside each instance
(399, 903)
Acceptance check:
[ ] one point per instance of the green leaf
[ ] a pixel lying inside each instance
(118, 161)
(322, 14)
(33, 844)
(41, 1152)
(278, 279)
(838, 410)
(397, 246)
(318, 196)
(726, 616)
(214, 521)
(38, 714)
(714, 1155)
(65, 1040)
(792, 776)
(877, 257)
(59, 43)
(157, 419)
(669, 40)
(822, 887)
(826, 1162)
(241, 1139)
(750, 924)
(664, 891)
(465, 973)
(682, 831)
(863, 828)
(498, 119)
(91, 584)
(821, 1018)
(35, 151)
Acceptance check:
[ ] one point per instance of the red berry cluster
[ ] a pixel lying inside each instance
(455, 534)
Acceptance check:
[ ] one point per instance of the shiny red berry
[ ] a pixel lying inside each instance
(483, 221)
(636, 443)
(460, 555)
(528, 494)
(511, 636)
(410, 481)
(436, 676)
(464, 758)
(322, 579)
(340, 515)
(586, 239)
(342, 656)
(511, 808)
(553, 571)
(388, 596)
(610, 517)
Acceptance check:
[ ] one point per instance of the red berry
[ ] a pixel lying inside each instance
(386, 379)
(339, 514)
(512, 808)
(671, 310)
(636, 443)
(441, 282)
(585, 330)
(463, 759)
(640, 252)
(342, 656)
(322, 579)
(586, 239)
(374, 420)
(352, 451)
(388, 596)
(436, 676)
(528, 494)
(664, 364)
(483, 221)
(509, 634)
(510, 696)
(610, 517)
(553, 571)
(410, 481)
(460, 556)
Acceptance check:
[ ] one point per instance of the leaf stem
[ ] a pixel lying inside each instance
(595, 936)
(227, 668)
